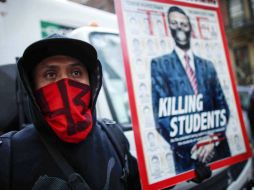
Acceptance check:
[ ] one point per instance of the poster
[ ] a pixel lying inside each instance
(184, 103)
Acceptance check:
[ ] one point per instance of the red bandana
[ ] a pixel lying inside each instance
(65, 106)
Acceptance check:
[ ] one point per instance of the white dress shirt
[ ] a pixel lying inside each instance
(180, 53)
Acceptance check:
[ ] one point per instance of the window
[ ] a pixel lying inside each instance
(110, 55)
(236, 12)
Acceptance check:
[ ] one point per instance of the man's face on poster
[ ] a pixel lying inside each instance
(180, 28)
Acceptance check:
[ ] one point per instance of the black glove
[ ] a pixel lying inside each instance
(202, 172)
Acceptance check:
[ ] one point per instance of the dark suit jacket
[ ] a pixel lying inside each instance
(169, 79)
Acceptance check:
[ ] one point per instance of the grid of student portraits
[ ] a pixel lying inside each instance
(178, 114)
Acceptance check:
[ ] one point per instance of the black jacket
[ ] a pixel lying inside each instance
(29, 158)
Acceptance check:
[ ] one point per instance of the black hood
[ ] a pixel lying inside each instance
(51, 46)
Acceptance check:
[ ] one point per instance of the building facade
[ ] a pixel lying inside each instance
(106, 5)
(238, 17)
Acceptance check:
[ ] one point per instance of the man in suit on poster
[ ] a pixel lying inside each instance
(181, 80)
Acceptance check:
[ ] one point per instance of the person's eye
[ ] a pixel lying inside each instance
(49, 75)
(173, 23)
(76, 73)
(185, 26)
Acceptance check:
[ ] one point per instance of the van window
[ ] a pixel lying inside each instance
(110, 55)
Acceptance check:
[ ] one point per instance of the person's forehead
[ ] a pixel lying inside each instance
(59, 60)
(178, 16)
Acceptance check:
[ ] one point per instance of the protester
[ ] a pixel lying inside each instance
(65, 146)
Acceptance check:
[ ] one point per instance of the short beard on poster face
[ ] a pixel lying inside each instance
(181, 38)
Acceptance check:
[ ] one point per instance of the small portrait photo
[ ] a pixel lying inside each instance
(134, 25)
(146, 110)
(163, 45)
(139, 62)
(145, 26)
(159, 27)
(155, 166)
(140, 67)
(237, 143)
(169, 162)
(143, 92)
(150, 46)
(136, 45)
(151, 140)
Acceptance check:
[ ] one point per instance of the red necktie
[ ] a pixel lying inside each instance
(191, 74)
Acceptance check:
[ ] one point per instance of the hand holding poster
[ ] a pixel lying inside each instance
(183, 98)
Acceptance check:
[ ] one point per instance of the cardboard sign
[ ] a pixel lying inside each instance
(184, 103)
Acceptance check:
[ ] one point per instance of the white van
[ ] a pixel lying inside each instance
(23, 22)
